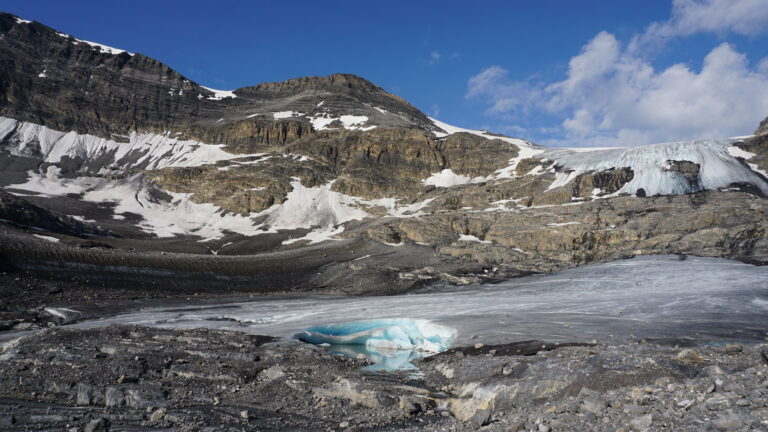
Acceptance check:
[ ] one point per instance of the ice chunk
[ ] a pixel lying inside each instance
(393, 333)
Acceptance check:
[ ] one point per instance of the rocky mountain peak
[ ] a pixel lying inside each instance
(762, 129)
(338, 82)
(338, 92)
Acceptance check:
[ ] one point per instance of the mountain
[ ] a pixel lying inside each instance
(311, 174)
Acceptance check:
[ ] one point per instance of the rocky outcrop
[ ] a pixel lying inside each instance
(762, 129)
(705, 224)
(602, 182)
(757, 145)
(485, 156)
(689, 170)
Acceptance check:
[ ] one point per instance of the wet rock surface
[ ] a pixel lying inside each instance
(128, 377)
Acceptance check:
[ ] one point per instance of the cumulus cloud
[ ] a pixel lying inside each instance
(612, 95)
(744, 17)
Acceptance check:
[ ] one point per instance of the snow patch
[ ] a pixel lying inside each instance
(317, 236)
(48, 238)
(142, 151)
(560, 224)
(447, 178)
(104, 49)
(349, 122)
(220, 94)
(285, 114)
(169, 218)
(312, 207)
(471, 238)
(50, 184)
(450, 130)
(22, 21)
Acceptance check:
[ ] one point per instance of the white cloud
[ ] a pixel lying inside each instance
(434, 57)
(493, 84)
(612, 95)
(744, 17)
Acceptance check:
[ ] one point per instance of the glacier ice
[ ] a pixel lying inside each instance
(392, 333)
(381, 359)
(720, 163)
(389, 344)
(718, 166)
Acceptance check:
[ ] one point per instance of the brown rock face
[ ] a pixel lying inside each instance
(708, 224)
(251, 136)
(608, 181)
(526, 165)
(474, 156)
(759, 146)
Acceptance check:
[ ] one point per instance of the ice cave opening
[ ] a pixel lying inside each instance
(389, 344)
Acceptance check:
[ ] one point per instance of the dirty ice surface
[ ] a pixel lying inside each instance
(706, 299)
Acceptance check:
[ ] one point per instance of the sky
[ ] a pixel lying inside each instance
(558, 72)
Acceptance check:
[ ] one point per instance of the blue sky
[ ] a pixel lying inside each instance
(558, 72)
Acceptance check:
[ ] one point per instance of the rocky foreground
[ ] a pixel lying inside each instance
(137, 378)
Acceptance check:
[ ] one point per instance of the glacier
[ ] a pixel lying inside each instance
(721, 163)
(616, 302)
(719, 168)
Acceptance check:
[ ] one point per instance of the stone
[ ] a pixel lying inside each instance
(145, 397)
(410, 405)
(634, 410)
(476, 409)
(689, 357)
(718, 403)
(642, 422)
(100, 424)
(272, 373)
(114, 397)
(84, 394)
(158, 414)
(729, 422)
(733, 349)
(592, 404)
(349, 390)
